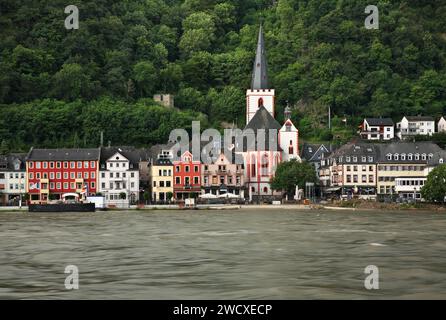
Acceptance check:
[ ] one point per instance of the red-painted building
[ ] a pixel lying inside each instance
(186, 177)
(53, 173)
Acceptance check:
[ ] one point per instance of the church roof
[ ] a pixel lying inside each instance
(260, 70)
(263, 120)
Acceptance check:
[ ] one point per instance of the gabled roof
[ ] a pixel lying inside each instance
(8, 161)
(63, 154)
(260, 70)
(359, 150)
(133, 155)
(379, 121)
(420, 118)
(263, 120)
(313, 152)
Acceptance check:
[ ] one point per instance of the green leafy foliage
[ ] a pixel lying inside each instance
(291, 174)
(319, 55)
(435, 188)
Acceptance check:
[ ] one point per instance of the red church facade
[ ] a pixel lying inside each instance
(54, 172)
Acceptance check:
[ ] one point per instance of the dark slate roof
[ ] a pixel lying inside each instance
(421, 147)
(63, 154)
(435, 161)
(163, 162)
(155, 150)
(7, 161)
(313, 152)
(359, 150)
(135, 156)
(420, 118)
(260, 70)
(263, 120)
(379, 121)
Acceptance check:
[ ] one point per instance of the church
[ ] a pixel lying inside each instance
(262, 161)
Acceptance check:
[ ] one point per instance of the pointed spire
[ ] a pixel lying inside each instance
(260, 72)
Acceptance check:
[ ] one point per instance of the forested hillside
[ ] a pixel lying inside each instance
(62, 87)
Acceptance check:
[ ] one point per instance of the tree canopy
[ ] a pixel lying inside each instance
(319, 53)
(435, 188)
(291, 174)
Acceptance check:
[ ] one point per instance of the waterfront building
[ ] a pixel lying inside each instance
(223, 177)
(351, 171)
(438, 159)
(377, 129)
(413, 126)
(119, 176)
(401, 168)
(186, 177)
(52, 173)
(12, 178)
(314, 154)
(161, 177)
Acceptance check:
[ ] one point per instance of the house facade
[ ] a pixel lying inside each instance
(119, 177)
(223, 177)
(12, 179)
(51, 173)
(377, 129)
(187, 177)
(413, 126)
(161, 178)
(401, 168)
(441, 125)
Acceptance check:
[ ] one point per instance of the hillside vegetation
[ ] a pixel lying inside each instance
(62, 87)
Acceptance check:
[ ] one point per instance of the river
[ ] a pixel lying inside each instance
(240, 254)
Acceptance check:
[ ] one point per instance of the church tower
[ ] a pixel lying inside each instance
(260, 94)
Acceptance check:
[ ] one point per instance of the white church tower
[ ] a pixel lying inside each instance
(260, 94)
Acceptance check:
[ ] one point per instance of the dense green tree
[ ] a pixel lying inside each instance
(291, 174)
(435, 188)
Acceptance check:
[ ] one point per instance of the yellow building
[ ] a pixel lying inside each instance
(161, 180)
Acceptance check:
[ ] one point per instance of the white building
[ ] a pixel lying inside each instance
(413, 126)
(377, 129)
(442, 125)
(12, 179)
(119, 177)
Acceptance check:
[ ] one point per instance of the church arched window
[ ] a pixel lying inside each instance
(253, 166)
(260, 102)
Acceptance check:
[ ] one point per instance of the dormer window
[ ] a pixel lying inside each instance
(396, 156)
(423, 156)
(417, 157)
(370, 159)
(355, 159)
(389, 157)
(430, 156)
(364, 159)
(403, 157)
(441, 161)
(410, 156)
(346, 159)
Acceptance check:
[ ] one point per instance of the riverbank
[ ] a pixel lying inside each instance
(337, 206)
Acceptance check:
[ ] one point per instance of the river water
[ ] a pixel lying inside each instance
(243, 254)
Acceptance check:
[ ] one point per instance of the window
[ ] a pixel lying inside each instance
(347, 159)
(423, 156)
(38, 165)
(349, 168)
(58, 185)
(71, 175)
(79, 175)
(93, 164)
(410, 156)
(93, 175)
(86, 164)
(65, 165)
(65, 185)
(403, 157)
(58, 165)
(65, 175)
(177, 169)
(132, 175)
(178, 180)
(52, 176)
(52, 166)
(363, 159)
(187, 168)
(72, 164)
(396, 156)
(371, 179)
(195, 168)
(85, 175)
(389, 157)
(93, 185)
(355, 159)
(38, 175)
(31, 175)
(31, 165)
(45, 165)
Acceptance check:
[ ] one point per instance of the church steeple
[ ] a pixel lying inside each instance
(260, 71)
